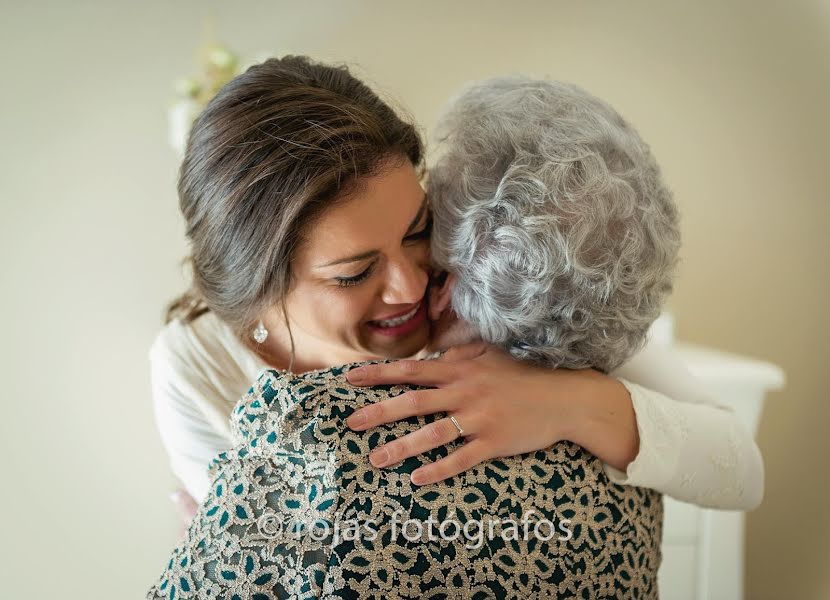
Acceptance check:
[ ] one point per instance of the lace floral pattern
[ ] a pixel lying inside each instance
(297, 511)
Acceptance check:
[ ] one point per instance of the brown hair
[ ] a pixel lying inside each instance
(270, 152)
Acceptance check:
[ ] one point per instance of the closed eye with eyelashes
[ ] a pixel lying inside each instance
(418, 236)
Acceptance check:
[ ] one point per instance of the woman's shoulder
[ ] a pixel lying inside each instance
(199, 370)
(315, 379)
(297, 387)
(280, 403)
(171, 341)
(205, 343)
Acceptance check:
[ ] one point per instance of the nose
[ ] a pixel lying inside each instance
(406, 281)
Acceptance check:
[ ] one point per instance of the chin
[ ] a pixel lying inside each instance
(403, 348)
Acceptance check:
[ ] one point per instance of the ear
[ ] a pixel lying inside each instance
(440, 297)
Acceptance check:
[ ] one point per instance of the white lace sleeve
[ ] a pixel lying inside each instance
(691, 447)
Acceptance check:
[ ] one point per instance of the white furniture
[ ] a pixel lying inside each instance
(703, 550)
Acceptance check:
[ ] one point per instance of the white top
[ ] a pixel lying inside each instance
(691, 447)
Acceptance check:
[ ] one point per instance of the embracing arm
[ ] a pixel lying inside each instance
(690, 447)
(681, 443)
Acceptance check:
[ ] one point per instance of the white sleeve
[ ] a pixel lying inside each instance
(190, 437)
(691, 447)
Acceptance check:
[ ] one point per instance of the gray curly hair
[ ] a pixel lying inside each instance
(553, 214)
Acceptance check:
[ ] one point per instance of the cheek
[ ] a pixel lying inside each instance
(338, 310)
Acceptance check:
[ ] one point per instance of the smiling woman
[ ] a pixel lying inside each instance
(309, 234)
(315, 189)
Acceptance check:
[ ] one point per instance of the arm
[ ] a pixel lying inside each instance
(673, 437)
(189, 435)
(508, 408)
(690, 447)
(601, 418)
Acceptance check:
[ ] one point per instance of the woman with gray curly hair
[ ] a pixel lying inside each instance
(559, 241)
(552, 215)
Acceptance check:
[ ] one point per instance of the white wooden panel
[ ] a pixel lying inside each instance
(677, 577)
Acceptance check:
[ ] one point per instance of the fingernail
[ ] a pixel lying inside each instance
(418, 478)
(358, 419)
(355, 376)
(378, 457)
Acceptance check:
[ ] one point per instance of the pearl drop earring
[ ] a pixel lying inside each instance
(260, 333)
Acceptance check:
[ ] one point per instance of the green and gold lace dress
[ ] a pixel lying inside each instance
(297, 511)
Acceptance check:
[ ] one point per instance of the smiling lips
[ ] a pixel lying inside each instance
(398, 320)
(404, 324)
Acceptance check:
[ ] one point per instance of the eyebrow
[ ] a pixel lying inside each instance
(371, 253)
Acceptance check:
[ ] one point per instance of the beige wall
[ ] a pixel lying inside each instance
(732, 96)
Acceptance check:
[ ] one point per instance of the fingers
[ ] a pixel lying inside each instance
(418, 372)
(426, 438)
(458, 461)
(409, 404)
(464, 352)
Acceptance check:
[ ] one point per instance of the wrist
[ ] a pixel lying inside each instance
(577, 410)
(603, 420)
(573, 394)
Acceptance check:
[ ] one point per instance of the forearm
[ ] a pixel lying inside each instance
(602, 421)
(692, 447)
(695, 453)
